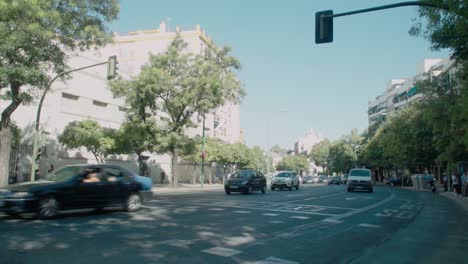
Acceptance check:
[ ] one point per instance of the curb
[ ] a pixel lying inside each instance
(460, 200)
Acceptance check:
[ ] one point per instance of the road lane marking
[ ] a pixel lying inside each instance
(277, 222)
(299, 217)
(297, 195)
(369, 225)
(311, 198)
(297, 208)
(351, 198)
(268, 214)
(220, 251)
(180, 243)
(328, 220)
(273, 260)
(216, 209)
(367, 208)
(241, 212)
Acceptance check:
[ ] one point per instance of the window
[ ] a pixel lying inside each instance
(115, 174)
(70, 96)
(99, 103)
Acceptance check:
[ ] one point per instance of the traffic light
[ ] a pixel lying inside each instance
(112, 67)
(324, 27)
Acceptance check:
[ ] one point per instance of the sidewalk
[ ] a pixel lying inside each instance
(462, 201)
(185, 188)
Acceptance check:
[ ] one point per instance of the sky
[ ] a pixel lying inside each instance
(292, 84)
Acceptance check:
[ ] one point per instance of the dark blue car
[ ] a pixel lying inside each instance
(77, 187)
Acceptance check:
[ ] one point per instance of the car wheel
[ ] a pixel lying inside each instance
(264, 189)
(290, 187)
(297, 186)
(350, 190)
(228, 192)
(133, 202)
(273, 188)
(48, 208)
(371, 190)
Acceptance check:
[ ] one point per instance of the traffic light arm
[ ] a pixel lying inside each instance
(41, 102)
(324, 19)
(411, 3)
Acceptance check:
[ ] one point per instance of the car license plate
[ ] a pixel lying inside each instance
(233, 187)
(358, 187)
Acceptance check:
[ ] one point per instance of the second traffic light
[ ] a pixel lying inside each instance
(324, 27)
(112, 67)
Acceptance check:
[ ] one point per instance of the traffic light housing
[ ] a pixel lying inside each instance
(112, 67)
(324, 27)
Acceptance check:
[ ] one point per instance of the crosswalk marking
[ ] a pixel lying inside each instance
(268, 214)
(220, 251)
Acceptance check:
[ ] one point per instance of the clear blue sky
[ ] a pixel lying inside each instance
(290, 80)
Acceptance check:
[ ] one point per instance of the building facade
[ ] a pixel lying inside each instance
(401, 93)
(86, 95)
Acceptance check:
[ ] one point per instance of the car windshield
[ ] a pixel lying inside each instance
(360, 173)
(242, 174)
(284, 175)
(64, 173)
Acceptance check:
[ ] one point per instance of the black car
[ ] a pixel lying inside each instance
(335, 180)
(246, 181)
(77, 187)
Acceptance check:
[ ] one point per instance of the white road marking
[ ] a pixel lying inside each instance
(220, 251)
(297, 195)
(216, 209)
(332, 221)
(268, 214)
(311, 198)
(351, 198)
(298, 208)
(180, 243)
(341, 216)
(241, 212)
(277, 222)
(273, 260)
(369, 225)
(300, 217)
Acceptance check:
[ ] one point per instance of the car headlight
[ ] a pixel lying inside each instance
(244, 182)
(20, 195)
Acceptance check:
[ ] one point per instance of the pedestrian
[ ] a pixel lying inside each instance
(51, 168)
(456, 182)
(445, 183)
(464, 183)
(163, 176)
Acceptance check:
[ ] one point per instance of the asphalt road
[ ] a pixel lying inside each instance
(317, 224)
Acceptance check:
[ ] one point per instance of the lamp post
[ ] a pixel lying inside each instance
(202, 175)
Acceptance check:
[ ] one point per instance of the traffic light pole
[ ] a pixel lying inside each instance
(39, 109)
(202, 176)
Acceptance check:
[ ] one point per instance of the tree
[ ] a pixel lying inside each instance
(180, 85)
(135, 137)
(297, 163)
(341, 156)
(36, 36)
(320, 153)
(89, 134)
(279, 150)
(445, 29)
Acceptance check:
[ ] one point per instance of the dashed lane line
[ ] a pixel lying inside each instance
(269, 214)
(273, 260)
(300, 217)
(220, 251)
(369, 225)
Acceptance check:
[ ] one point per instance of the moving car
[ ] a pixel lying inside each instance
(246, 181)
(334, 180)
(360, 179)
(77, 187)
(307, 179)
(285, 179)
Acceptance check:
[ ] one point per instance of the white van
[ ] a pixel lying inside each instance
(360, 179)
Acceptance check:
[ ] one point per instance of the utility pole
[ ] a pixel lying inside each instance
(111, 74)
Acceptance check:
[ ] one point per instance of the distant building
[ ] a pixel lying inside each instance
(403, 92)
(87, 96)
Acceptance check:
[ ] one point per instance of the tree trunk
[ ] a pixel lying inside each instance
(140, 165)
(6, 138)
(174, 181)
(210, 178)
(194, 174)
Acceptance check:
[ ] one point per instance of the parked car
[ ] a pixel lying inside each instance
(393, 181)
(360, 179)
(285, 179)
(77, 187)
(246, 181)
(307, 179)
(334, 180)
